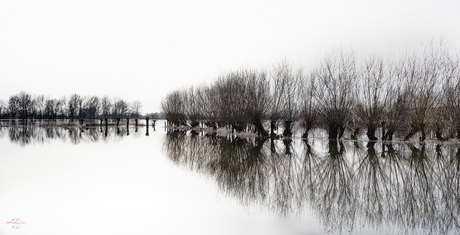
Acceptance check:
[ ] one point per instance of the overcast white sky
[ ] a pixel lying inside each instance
(141, 50)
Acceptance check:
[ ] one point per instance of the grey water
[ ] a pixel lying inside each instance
(149, 180)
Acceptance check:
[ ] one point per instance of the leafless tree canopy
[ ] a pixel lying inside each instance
(25, 105)
(414, 94)
(336, 92)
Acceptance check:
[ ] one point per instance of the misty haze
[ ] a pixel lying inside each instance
(237, 117)
(356, 147)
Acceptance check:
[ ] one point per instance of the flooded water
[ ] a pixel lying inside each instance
(152, 181)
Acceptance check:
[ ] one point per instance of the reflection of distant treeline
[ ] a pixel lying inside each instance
(347, 185)
(31, 134)
(416, 94)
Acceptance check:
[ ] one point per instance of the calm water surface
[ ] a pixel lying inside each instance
(130, 181)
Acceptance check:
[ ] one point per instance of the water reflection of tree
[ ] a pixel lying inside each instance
(92, 134)
(75, 135)
(238, 165)
(379, 185)
(28, 134)
(450, 186)
(306, 183)
(335, 201)
(374, 183)
(282, 164)
(23, 135)
(419, 185)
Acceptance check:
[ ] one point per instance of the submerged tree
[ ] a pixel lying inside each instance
(258, 97)
(448, 112)
(92, 107)
(174, 108)
(106, 106)
(136, 108)
(285, 98)
(192, 106)
(210, 103)
(373, 95)
(423, 93)
(39, 103)
(335, 95)
(120, 108)
(26, 105)
(2, 108)
(231, 92)
(51, 108)
(13, 106)
(309, 113)
(73, 105)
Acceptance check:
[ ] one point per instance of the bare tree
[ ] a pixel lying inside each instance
(80, 107)
(120, 108)
(449, 110)
(335, 95)
(211, 103)
(277, 90)
(309, 113)
(92, 107)
(20, 105)
(190, 98)
(52, 107)
(106, 106)
(25, 104)
(61, 108)
(373, 95)
(203, 106)
(231, 92)
(173, 107)
(286, 95)
(258, 97)
(39, 106)
(2, 108)
(73, 105)
(136, 108)
(422, 87)
(13, 106)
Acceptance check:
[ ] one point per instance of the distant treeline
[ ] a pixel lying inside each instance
(25, 105)
(405, 95)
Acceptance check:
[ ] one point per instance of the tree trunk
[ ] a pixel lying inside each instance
(383, 129)
(287, 146)
(305, 134)
(371, 133)
(342, 131)
(272, 128)
(333, 132)
(389, 135)
(354, 136)
(439, 134)
(410, 135)
(287, 129)
(260, 128)
(194, 123)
